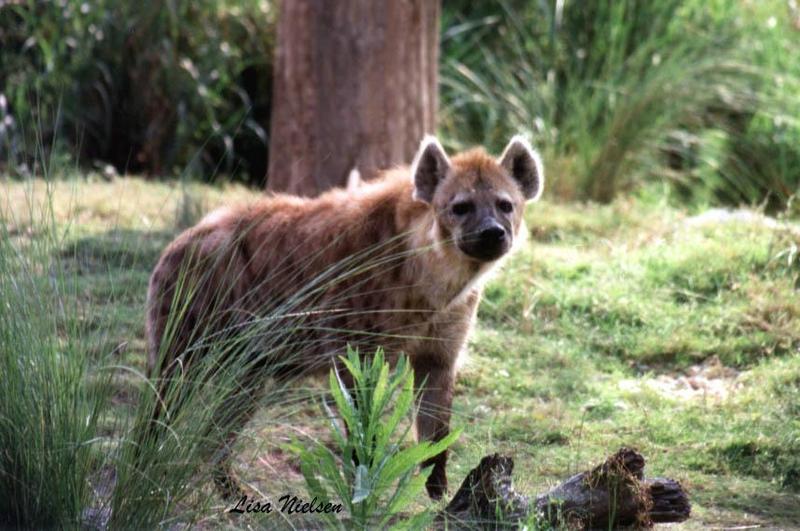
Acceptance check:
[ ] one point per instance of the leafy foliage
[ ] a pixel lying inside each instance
(376, 479)
(616, 92)
(157, 87)
(701, 95)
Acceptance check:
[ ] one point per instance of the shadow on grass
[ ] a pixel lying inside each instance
(770, 505)
(107, 276)
(116, 249)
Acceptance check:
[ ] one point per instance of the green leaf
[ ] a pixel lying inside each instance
(338, 436)
(344, 402)
(410, 457)
(308, 468)
(442, 445)
(402, 408)
(407, 489)
(353, 364)
(379, 392)
(329, 471)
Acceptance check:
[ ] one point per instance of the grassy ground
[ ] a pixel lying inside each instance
(628, 324)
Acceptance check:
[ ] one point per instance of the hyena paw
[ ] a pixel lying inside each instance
(228, 486)
(436, 484)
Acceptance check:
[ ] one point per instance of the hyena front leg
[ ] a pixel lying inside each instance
(435, 381)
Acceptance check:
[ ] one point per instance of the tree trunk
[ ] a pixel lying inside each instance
(355, 87)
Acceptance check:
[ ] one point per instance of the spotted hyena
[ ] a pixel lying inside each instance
(397, 261)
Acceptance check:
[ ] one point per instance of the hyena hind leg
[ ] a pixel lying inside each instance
(230, 419)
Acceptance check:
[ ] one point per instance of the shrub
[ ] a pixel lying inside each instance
(615, 92)
(370, 471)
(151, 87)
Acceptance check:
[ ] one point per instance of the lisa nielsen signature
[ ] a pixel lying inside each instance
(287, 504)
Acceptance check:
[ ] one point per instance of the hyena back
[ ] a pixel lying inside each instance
(396, 262)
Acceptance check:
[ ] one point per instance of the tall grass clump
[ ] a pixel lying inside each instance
(165, 464)
(761, 162)
(51, 396)
(200, 395)
(370, 471)
(69, 457)
(615, 92)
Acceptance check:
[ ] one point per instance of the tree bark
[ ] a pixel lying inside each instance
(355, 87)
(611, 495)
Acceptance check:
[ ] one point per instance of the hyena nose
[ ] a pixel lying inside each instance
(493, 234)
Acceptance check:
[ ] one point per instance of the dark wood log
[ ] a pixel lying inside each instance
(611, 495)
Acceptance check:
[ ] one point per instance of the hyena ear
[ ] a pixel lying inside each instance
(353, 180)
(525, 166)
(429, 168)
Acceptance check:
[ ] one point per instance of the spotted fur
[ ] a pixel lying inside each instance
(394, 272)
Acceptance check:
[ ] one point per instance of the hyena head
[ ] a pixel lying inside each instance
(477, 200)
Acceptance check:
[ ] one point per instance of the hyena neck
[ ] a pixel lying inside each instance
(441, 271)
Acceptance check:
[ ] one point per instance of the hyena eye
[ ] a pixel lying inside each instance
(463, 207)
(505, 206)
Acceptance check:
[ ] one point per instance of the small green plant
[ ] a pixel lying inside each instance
(376, 478)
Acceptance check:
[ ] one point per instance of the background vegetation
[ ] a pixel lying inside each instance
(703, 96)
(647, 113)
(161, 87)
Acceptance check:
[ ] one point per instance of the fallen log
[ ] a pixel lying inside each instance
(611, 495)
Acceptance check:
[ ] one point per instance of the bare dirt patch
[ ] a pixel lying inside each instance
(710, 380)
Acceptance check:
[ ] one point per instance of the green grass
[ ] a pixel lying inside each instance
(621, 324)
